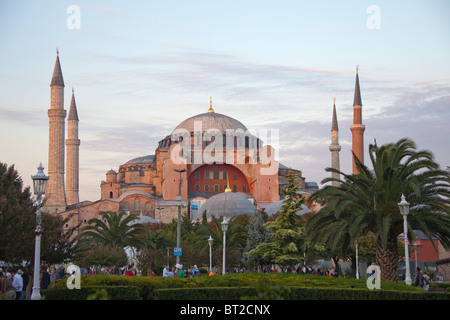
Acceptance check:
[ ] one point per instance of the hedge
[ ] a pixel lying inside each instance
(301, 287)
(295, 293)
(112, 292)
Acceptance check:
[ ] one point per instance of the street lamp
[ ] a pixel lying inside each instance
(210, 241)
(39, 186)
(404, 210)
(224, 229)
(178, 198)
(357, 259)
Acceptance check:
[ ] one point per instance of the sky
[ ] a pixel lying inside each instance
(139, 68)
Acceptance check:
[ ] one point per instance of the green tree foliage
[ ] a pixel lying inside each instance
(256, 233)
(287, 230)
(114, 230)
(18, 224)
(368, 201)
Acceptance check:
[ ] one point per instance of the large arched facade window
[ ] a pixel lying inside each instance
(214, 178)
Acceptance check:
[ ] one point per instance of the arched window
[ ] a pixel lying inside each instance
(235, 176)
(244, 188)
(125, 206)
(216, 188)
(197, 176)
(111, 194)
(137, 204)
(235, 189)
(207, 174)
(197, 188)
(148, 206)
(206, 187)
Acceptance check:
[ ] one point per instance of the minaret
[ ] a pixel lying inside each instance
(357, 127)
(335, 146)
(55, 198)
(73, 145)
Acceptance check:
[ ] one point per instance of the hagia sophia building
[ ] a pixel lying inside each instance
(221, 166)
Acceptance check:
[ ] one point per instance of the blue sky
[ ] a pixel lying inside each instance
(139, 68)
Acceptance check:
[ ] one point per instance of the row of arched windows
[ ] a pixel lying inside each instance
(137, 206)
(217, 188)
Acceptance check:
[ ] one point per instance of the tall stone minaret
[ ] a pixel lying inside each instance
(335, 146)
(55, 198)
(357, 127)
(72, 162)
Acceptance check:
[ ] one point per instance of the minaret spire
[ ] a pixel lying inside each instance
(55, 197)
(335, 146)
(357, 128)
(73, 145)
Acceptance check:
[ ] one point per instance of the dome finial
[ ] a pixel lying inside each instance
(228, 189)
(210, 110)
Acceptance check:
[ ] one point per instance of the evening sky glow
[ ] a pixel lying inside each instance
(139, 68)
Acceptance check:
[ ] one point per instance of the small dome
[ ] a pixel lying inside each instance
(227, 205)
(275, 207)
(142, 160)
(111, 172)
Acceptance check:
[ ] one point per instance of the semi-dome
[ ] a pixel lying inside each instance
(227, 205)
(275, 207)
(211, 120)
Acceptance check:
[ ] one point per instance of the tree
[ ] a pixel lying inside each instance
(256, 233)
(235, 238)
(368, 201)
(115, 230)
(287, 230)
(18, 224)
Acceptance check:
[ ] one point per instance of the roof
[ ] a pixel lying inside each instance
(141, 160)
(57, 78)
(228, 205)
(275, 207)
(73, 114)
(210, 120)
(143, 219)
(357, 98)
(334, 122)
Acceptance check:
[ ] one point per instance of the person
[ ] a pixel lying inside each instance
(195, 271)
(419, 278)
(17, 282)
(26, 281)
(180, 272)
(6, 287)
(129, 272)
(171, 273)
(53, 277)
(165, 272)
(45, 278)
(426, 281)
(154, 273)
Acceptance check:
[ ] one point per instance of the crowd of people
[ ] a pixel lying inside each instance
(17, 282)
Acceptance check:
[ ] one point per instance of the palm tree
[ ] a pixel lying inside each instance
(368, 201)
(114, 230)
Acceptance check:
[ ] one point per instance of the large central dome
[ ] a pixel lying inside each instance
(211, 120)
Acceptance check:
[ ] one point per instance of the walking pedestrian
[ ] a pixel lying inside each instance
(17, 282)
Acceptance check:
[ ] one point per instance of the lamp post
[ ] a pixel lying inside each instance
(404, 210)
(357, 259)
(178, 198)
(39, 186)
(224, 229)
(210, 241)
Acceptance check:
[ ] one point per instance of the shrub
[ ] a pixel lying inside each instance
(112, 292)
